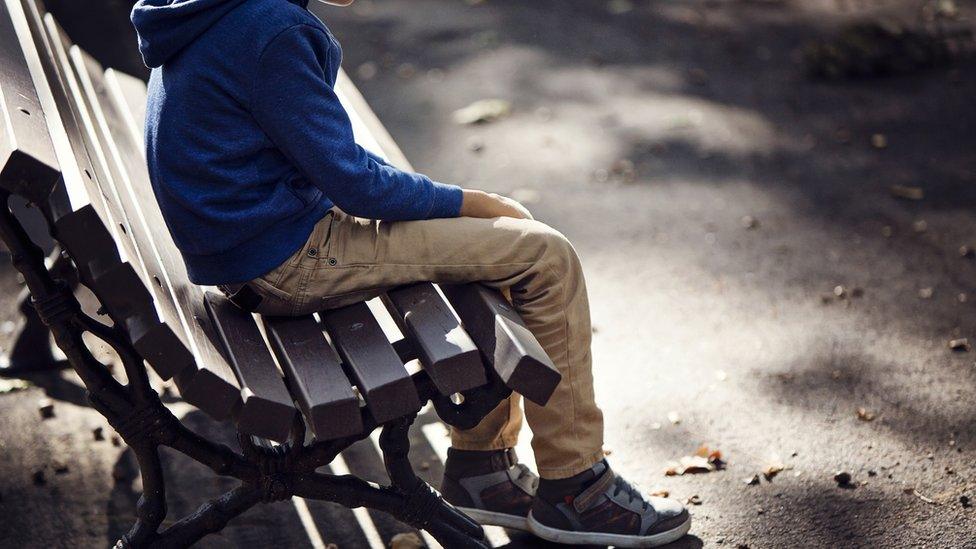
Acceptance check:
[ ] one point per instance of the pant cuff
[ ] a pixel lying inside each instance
(556, 473)
(483, 445)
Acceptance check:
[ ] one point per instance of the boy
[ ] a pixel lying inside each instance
(268, 197)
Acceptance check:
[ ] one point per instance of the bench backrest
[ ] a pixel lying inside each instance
(82, 160)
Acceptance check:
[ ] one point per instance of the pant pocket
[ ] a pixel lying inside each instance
(318, 246)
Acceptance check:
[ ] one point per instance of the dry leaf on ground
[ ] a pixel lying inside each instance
(483, 111)
(915, 492)
(961, 344)
(704, 460)
(406, 541)
(770, 471)
(864, 414)
(907, 192)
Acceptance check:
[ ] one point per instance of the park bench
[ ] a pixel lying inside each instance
(299, 390)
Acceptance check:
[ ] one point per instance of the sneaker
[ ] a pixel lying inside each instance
(492, 488)
(608, 511)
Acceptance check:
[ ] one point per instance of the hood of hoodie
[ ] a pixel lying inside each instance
(165, 27)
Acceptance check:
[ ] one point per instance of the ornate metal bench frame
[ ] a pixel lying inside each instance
(266, 474)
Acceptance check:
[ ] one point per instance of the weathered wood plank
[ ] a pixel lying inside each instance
(371, 362)
(211, 385)
(506, 343)
(268, 410)
(315, 377)
(28, 164)
(445, 350)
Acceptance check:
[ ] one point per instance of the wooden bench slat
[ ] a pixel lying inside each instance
(129, 92)
(82, 231)
(506, 343)
(211, 385)
(445, 350)
(268, 410)
(28, 164)
(371, 361)
(76, 169)
(315, 377)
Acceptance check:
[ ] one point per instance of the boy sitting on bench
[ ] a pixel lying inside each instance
(268, 197)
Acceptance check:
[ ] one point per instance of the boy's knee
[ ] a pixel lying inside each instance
(552, 244)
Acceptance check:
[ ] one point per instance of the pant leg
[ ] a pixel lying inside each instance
(357, 259)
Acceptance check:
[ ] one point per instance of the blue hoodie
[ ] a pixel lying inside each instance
(247, 144)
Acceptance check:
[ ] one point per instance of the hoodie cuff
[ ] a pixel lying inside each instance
(446, 201)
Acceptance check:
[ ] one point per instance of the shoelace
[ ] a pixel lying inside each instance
(621, 485)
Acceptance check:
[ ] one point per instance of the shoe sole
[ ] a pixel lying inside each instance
(570, 537)
(494, 518)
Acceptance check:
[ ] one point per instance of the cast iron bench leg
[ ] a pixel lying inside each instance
(31, 351)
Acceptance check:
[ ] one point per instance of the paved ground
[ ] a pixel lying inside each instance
(731, 329)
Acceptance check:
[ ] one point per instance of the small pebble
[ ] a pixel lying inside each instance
(46, 408)
(843, 479)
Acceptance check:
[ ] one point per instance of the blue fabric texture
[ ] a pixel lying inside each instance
(247, 144)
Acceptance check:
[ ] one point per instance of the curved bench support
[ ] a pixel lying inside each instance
(267, 474)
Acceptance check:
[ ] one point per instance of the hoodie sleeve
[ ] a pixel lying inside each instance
(294, 103)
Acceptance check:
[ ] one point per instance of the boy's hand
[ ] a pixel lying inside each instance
(488, 205)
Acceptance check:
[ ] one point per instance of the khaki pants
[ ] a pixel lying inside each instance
(348, 259)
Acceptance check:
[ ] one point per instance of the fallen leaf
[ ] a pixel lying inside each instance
(483, 111)
(661, 493)
(704, 460)
(961, 344)
(13, 385)
(694, 500)
(907, 192)
(751, 481)
(406, 541)
(864, 414)
(916, 493)
(773, 469)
